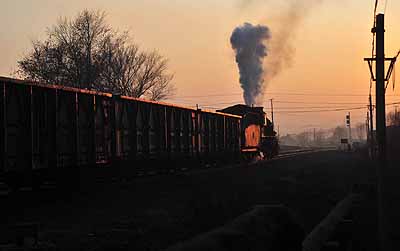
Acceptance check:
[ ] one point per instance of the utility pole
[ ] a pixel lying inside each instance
(380, 87)
(367, 129)
(381, 127)
(314, 136)
(272, 113)
(371, 123)
(379, 31)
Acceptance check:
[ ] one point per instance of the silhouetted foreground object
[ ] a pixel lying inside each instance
(263, 228)
(333, 223)
(25, 231)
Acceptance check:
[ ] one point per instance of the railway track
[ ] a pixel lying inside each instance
(195, 200)
(5, 190)
(292, 153)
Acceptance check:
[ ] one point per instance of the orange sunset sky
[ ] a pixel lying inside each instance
(326, 71)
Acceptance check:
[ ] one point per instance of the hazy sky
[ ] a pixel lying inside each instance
(329, 41)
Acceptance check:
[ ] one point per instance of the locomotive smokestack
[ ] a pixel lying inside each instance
(248, 43)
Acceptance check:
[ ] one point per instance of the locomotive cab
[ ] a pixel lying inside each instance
(257, 135)
(269, 141)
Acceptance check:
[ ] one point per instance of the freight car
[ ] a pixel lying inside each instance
(258, 137)
(52, 131)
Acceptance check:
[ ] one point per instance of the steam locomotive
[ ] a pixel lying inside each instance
(258, 137)
(53, 131)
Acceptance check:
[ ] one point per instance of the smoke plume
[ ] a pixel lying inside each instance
(281, 44)
(248, 43)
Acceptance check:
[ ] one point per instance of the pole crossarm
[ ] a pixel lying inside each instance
(390, 70)
(369, 60)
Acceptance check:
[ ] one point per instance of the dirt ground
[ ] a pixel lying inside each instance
(152, 213)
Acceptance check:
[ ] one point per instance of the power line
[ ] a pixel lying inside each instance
(327, 110)
(320, 94)
(324, 110)
(328, 103)
(309, 107)
(373, 27)
(279, 101)
(334, 110)
(338, 105)
(306, 111)
(283, 94)
(215, 102)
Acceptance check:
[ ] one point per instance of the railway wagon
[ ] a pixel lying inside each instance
(49, 130)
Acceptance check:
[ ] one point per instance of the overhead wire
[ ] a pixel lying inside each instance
(394, 76)
(329, 103)
(373, 45)
(307, 107)
(303, 104)
(277, 94)
(373, 27)
(315, 111)
(325, 110)
(332, 110)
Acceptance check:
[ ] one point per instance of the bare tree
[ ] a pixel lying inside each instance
(162, 89)
(319, 137)
(338, 133)
(361, 131)
(394, 118)
(304, 138)
(87, 53)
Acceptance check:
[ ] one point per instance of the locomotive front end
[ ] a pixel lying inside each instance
(257, 135)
